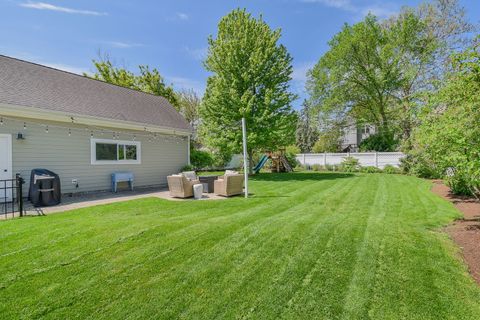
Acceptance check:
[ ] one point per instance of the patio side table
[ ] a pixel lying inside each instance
(209, 181)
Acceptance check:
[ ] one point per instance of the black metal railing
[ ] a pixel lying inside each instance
(11, 199)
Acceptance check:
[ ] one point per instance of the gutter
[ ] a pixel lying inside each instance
(59, 116)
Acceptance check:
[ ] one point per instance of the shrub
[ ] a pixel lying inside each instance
(328, 141)
(200, 159)
(299, 167)
(370, 169)
(418, 165)
(389, 169)
(317, 167)
(330, 167)
(187, 167)
(382, 142)
(350, 164)
(291, 155)
(448, 137)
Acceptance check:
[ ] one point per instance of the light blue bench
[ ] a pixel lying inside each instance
(122, 177)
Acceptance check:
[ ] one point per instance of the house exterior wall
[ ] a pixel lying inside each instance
(353, 135)
(70, 156)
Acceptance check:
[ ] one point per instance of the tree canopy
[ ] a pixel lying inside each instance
(381, 72)
(448, 140)
(250, 74)
(366, 68)
(147, 80)
(307, 132)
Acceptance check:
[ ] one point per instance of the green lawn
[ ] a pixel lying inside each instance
(306, 246)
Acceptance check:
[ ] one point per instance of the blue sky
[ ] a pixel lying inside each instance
(171, 35)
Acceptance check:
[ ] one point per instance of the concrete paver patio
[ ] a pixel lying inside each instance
(104, 197)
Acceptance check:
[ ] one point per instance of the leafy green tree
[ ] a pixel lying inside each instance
(365, 69)
(383, 142)
(149, 81)
(189, 106)
(448, 139)
(307, 133)
(444, 29)
(445, 21)
(328, 140)
(250, 78)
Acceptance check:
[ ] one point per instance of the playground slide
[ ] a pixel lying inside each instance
(260, 164)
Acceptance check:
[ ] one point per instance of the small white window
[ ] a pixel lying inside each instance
(105, 151)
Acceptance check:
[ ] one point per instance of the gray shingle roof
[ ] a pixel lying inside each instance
(32, 85)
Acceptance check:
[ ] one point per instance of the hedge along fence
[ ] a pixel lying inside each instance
(365, 159)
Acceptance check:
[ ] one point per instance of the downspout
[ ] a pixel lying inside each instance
(188, 151)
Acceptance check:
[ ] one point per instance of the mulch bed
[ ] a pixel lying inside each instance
(465, 232)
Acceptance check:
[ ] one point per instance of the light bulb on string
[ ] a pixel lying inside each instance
(24, 126)
(46, 129)
(91, 134)
(69, 132)
(134, 137)
(1, 121)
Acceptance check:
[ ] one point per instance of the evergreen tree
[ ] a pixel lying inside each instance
(307, 133)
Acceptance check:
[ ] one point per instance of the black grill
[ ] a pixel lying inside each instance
(44, 188)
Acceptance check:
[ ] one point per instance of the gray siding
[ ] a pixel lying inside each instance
(69, 156)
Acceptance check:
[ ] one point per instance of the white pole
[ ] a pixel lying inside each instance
(245, 160)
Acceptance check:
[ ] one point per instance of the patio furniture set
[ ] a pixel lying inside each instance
(188, 184)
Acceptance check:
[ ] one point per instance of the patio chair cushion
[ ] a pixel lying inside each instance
(180, 187)
(229, 185)
(190, 175)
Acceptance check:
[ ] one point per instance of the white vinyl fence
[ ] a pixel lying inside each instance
(374, 159)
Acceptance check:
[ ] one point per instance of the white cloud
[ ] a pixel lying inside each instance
(339, 4)
(51, 7)
(299, 76)
(300, 71)
(186, 83)
(123, 45)
(64, 67)
(178, 16)
(382, 12)
(197, 53)
(380, 9)
(182, 16)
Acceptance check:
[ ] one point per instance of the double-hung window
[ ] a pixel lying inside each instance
(104, 151)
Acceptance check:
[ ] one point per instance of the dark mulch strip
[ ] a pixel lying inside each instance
(465, 232)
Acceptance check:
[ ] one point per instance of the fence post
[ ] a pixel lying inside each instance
(19, 182)
(376, 159)
(304, 164)
(324, 159)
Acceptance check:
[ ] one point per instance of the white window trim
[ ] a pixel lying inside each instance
(93, 152)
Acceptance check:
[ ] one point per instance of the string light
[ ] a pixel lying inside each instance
(151, 136)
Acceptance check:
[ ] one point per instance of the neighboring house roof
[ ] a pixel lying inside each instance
(28, 84)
